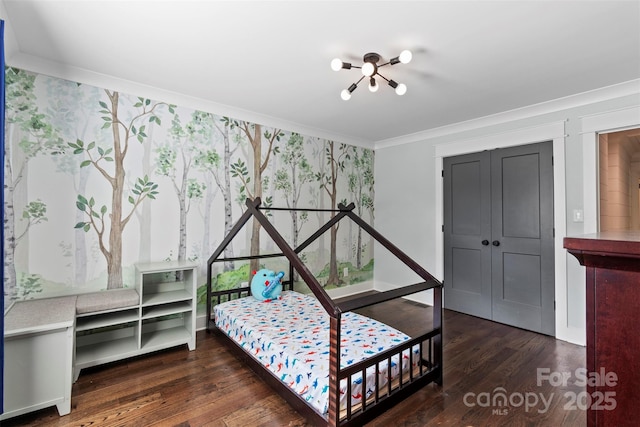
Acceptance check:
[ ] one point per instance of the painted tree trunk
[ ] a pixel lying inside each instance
(181, 192)
(294, 214)
(256, 143)
(114, 254)
(226, 195)
(359, 239)
(320, 262)
(321, 240)
(294, 204)
(333, 278)
(352, 253)
(359, 250)
(294, 228)
(372, 241)
(144, 249)
(79, 236)
(208, 203)
(270, 246)
(10, 284)
(333, 260)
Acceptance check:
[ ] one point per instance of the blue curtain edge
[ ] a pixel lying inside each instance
(2, 123)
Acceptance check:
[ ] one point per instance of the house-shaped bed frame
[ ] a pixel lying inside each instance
(429, 368)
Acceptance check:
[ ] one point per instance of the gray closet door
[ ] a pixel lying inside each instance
(514, 253)
(522, 225)
(467, 207)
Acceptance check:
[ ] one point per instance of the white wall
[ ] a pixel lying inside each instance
(409, 184)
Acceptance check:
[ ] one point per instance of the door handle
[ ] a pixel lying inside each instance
(495, 243)
(485, 242)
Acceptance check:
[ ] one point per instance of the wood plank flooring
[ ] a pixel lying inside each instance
(209, 387)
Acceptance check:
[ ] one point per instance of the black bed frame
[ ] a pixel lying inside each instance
(430, 343)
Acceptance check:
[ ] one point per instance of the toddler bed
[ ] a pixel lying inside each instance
(290, 337)
(334, 366)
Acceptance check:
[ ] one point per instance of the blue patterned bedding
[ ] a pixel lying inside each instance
(290, 337)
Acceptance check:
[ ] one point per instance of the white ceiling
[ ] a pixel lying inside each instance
(268, 61)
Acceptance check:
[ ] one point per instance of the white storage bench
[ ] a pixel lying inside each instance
(105, 323)
(159, 313)
(38, 355)
(49, 341)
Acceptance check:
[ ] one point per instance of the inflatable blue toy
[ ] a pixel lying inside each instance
(266, 285)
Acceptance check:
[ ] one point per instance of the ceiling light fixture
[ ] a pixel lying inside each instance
(370, 69)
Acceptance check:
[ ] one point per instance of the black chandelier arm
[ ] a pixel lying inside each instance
(392, 61)
(387, 80)
(357, 83)
(348, 66)
(391, 82)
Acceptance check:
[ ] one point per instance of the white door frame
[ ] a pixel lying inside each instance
(554, 131)
(592, 125)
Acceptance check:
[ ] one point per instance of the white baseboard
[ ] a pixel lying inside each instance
(351, 290)
(424, 297)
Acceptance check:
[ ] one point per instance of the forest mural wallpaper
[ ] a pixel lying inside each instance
(97, 181)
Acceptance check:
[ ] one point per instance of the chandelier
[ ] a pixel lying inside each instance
(370, 69)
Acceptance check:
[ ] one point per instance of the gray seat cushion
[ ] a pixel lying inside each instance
(107, 300)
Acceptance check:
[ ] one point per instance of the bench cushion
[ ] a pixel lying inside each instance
(106, 300)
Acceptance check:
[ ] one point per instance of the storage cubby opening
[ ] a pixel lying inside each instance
(113, 318)
(166, 309)
(174, 328)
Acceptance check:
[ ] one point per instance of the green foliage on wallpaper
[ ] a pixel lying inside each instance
(354, 275)
(34, 136)
(110, 163)
(29, 286)
(136, 179)
(231, 279)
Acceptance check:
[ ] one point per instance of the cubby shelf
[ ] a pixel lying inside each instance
(165, 338)
(106, 351)
(166, 297)
(165, 316)
(166, 309)
(95, 321)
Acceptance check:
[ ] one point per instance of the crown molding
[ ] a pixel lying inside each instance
(37, 65)
(80, 75)
(619, 90)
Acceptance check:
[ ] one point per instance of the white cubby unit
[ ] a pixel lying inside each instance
(168, 311)
(159, 313)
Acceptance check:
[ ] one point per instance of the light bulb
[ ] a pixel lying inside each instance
(336, 64)
(373, 86)
(345, 95)
(368, 69)
(401, 89)
(405, 56)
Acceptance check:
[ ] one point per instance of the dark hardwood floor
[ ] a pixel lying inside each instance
(209, 387)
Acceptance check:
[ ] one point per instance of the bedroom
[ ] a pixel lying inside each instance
(451, 114)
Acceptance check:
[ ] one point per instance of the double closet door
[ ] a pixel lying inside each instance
(498, 236)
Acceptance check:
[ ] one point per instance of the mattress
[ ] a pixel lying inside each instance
(290, 337)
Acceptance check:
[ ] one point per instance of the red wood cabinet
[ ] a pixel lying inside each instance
(612, 261)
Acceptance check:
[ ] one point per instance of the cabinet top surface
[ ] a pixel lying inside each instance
(615, 242)
(40, 315)
(150, 267)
